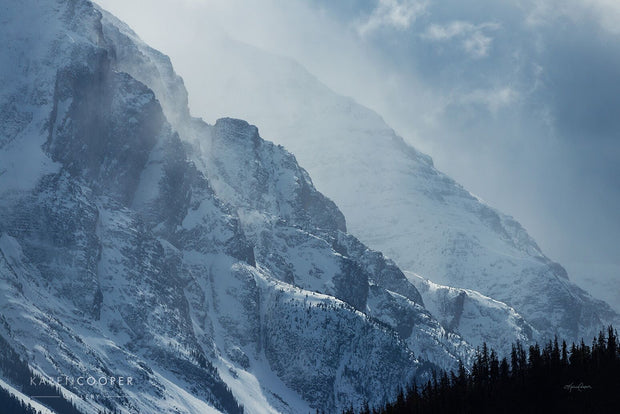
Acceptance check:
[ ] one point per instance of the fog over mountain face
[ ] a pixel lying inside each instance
(393, 197)
(516, 100)
(201, 262)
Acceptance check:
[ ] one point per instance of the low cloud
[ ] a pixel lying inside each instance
(517, 100)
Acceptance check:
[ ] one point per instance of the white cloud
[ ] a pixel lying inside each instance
(493, 99)
(607, 12)
(477, 45)
(398, 14)
(447, 32)
(473, 38)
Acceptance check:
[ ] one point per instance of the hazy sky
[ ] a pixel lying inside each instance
(518, 100)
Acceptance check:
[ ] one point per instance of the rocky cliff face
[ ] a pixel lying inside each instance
(199, 260)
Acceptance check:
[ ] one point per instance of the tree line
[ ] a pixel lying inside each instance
(553, 378)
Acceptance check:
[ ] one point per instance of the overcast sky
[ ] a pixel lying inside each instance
(518, 100)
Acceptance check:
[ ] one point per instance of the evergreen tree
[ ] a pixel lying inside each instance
(545, 379)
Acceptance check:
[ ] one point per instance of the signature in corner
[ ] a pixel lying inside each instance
(570, 387)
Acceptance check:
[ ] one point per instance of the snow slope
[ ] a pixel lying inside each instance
(474, 316)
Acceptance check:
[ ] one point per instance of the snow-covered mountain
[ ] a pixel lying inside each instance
(198, 260)
(394, 199)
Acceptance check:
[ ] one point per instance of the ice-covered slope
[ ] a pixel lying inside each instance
(199, 260)
(393, 197)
